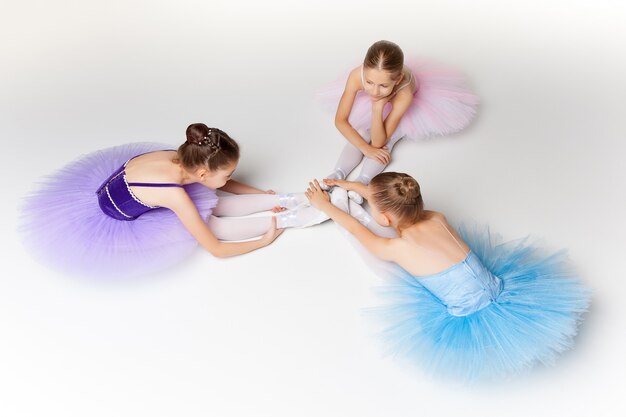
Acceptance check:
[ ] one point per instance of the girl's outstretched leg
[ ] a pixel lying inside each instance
(303, 216)
(244, 204)
(238, 228)
(230, 229)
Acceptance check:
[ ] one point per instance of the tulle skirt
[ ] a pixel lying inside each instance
(62, 225)
(442, 104)
(533, 320)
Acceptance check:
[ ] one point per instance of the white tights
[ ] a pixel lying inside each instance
(226, 224)
(231, 228)
(351, 156)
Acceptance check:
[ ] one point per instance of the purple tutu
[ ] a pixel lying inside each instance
(442, 104)
(63, 226)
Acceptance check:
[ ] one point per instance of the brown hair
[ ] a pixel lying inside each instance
(207, 147)
(385, 56)
(398, 194)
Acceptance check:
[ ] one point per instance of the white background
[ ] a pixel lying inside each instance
(279, 332)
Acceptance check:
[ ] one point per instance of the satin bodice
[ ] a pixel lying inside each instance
(117, 200)
(465, 287)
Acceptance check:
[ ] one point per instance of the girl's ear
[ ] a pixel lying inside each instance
(385, 219)
(202, 173)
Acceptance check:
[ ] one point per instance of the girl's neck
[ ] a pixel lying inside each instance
(185, 176)
(403, 230)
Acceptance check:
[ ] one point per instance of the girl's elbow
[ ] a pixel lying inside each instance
(340, 122)
(217, 250)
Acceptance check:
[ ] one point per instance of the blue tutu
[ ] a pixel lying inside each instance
(63, 226)
(500, 311)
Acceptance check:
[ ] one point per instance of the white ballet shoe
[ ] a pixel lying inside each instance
(339, 199)
(359, 213)
(292, 200)
(356, 197)
(303, 216)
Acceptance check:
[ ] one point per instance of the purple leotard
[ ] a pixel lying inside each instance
(66, 225)
(117, 200)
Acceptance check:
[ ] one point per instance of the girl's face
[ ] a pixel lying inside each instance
(219, 177)
(378, 83)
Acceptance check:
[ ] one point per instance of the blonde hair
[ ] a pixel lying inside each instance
(385, 56)
(400, 195)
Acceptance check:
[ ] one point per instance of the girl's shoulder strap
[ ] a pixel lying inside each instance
(450, 233)
(154, 184)
(151, 184)
(362, 77)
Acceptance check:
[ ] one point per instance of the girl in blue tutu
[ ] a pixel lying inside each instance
(457, 303)
(141, 207)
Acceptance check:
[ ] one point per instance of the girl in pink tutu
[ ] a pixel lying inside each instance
(141, 207)
(385, 99)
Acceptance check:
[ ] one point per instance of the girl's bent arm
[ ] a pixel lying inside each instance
(357, 187)
(353, 85)
(383, 248)
(382, 130)
(188, 214)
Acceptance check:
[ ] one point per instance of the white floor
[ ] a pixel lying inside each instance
(278, 332)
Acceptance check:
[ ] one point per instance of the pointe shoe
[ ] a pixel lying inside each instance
(359, 213)
(339, 199)
(292, 200)
(304, 216)
(356, 197)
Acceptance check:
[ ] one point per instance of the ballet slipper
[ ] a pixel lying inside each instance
(356, 197)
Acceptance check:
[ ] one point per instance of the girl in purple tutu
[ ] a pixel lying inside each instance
(385, 99)
(141, 207)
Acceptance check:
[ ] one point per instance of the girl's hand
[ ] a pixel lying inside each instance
(382, 155)
(331, 182)
(317, 197)
(276, 209)
(379, 103)
(272, 233)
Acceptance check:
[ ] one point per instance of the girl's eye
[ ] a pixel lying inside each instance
(369, 82)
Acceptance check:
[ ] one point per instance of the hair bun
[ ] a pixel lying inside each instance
(200, 134)
(409, 189)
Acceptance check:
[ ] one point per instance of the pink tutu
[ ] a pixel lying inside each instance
(442, 104)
